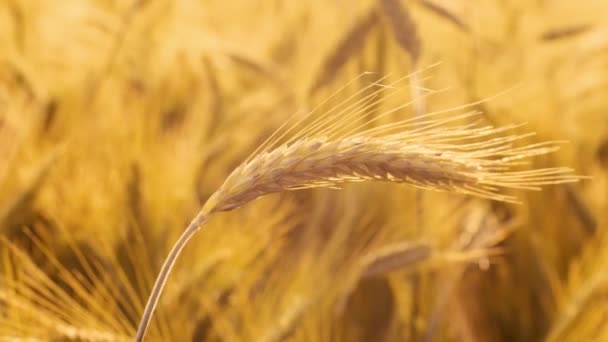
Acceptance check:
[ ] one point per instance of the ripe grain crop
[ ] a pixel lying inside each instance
(429, 152)
(121, 120)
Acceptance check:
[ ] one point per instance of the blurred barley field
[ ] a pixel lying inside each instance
(119, 119)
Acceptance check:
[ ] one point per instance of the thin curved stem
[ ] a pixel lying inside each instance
(161, 280)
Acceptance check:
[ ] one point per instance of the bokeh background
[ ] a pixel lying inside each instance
(118, 119)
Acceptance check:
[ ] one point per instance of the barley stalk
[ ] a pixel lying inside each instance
(164, 273)
(424, 152)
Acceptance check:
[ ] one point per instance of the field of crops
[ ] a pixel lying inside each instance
(375, 170)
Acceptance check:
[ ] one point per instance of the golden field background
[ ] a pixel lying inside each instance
(118, 119)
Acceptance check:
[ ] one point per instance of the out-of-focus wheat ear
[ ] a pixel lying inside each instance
(587, 282)
(444, 13)
(403, 27)
(564, 32)
(70, 314)
(399, 256)
(349, 45)
(264, 68)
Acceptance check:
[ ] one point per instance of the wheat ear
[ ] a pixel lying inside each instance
(424, 152)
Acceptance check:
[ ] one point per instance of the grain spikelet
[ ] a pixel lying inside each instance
(580, 305)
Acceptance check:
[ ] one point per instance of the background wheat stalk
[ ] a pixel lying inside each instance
(429, 152)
